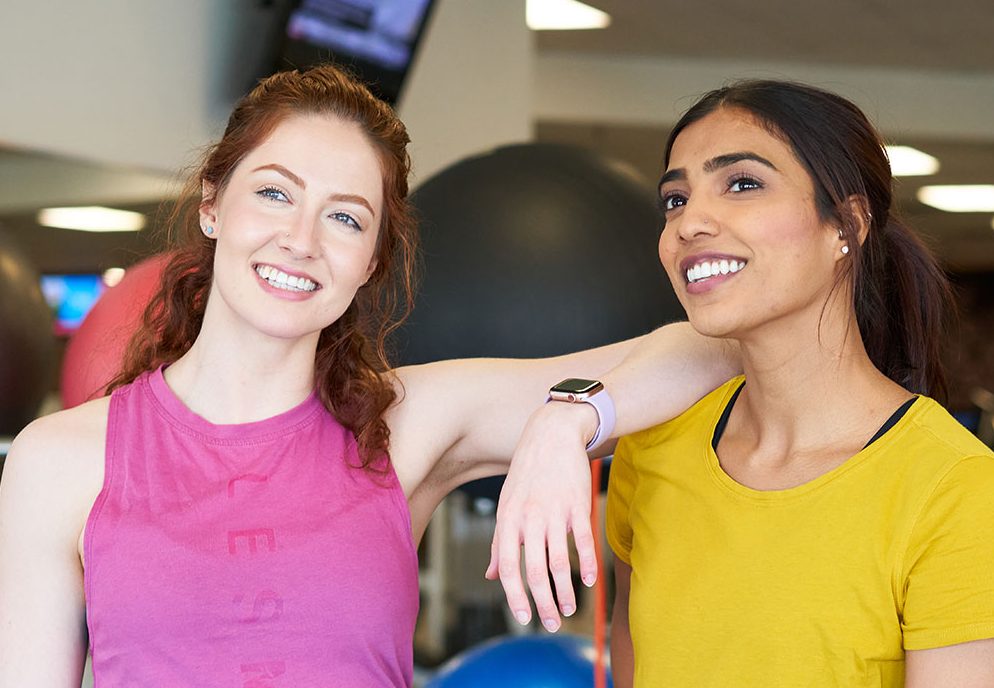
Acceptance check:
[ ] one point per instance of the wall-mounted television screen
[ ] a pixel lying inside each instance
(376, 39)
(71, 298)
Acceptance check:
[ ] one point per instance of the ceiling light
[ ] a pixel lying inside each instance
(91, 219)
(961, 198)
(113, 276)
(906, 161)
(557, 15)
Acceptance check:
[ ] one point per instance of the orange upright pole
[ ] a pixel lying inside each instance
(600, 591)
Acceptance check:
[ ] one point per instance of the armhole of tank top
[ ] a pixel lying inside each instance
(400, 501)
(98, 504)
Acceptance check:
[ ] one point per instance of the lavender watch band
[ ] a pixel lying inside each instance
(604, 405)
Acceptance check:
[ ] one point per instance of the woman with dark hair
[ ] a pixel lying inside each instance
(244, 508)
(818, 521)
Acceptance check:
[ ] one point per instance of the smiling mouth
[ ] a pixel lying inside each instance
(711, 268)
(281, 280)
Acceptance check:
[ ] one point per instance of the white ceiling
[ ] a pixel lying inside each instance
(949, 35)
(948, 41)
(951, 41)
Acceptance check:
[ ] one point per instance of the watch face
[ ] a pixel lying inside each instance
(575, 385)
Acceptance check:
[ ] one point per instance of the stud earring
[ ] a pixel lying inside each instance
(845, 249)
(208, 230)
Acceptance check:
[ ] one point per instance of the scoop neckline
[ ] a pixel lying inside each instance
(182, 417)
(797, 491)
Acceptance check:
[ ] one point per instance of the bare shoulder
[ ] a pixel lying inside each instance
(67, 440)
(55, 466)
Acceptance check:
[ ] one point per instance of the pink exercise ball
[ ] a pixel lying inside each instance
(95, 352)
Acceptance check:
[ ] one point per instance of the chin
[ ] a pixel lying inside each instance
(712, 325)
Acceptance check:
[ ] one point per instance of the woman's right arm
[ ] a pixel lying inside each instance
(622, 654)
(45, 495)
(547, 491)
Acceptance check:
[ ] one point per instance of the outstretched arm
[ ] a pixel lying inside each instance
(547, 492)
(460, 420)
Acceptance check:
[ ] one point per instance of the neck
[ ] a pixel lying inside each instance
(810, 385)
(236, 374)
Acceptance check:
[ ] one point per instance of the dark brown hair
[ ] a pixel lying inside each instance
(351, 358)
(900, 294)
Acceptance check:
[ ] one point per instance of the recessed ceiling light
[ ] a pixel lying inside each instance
(92, 219)
(959, 198)
(906, 161)
(559, 15)
(113, 276)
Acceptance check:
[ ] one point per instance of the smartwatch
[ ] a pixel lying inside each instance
(577, 390)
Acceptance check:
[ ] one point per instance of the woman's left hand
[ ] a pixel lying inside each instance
(546, 496)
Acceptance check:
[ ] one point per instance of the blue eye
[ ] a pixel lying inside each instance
(348, 220)
(273, 194)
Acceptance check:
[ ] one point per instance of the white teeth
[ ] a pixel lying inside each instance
(713, 268)
(281, 280)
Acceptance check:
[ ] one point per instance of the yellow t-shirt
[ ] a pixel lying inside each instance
(824, 584)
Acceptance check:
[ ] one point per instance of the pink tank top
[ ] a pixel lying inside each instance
(252, 556)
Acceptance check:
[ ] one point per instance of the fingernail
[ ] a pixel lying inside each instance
(589, 579)
(522, 617)
(568, 610)
(550, 625)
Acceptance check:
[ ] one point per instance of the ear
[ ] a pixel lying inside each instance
(208, 201)
(373, 262)
(860, 216)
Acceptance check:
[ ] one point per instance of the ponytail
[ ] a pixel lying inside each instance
(903, 302)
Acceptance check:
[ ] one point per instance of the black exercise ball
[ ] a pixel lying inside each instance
(535, 250)
(27, 343)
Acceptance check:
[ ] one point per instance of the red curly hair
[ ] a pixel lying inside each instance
(351, 360)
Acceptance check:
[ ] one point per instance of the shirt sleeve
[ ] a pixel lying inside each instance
(620, 490)
(949, 563)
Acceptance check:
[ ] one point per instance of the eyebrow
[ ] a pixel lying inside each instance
(348, 198)
(716, 163)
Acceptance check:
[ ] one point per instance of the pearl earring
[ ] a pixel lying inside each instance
(845, 249)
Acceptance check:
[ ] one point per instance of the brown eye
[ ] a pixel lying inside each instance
(672, 201)
(740, 184)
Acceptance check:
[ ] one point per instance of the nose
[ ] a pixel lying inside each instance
(299, 238)
(696, 221)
